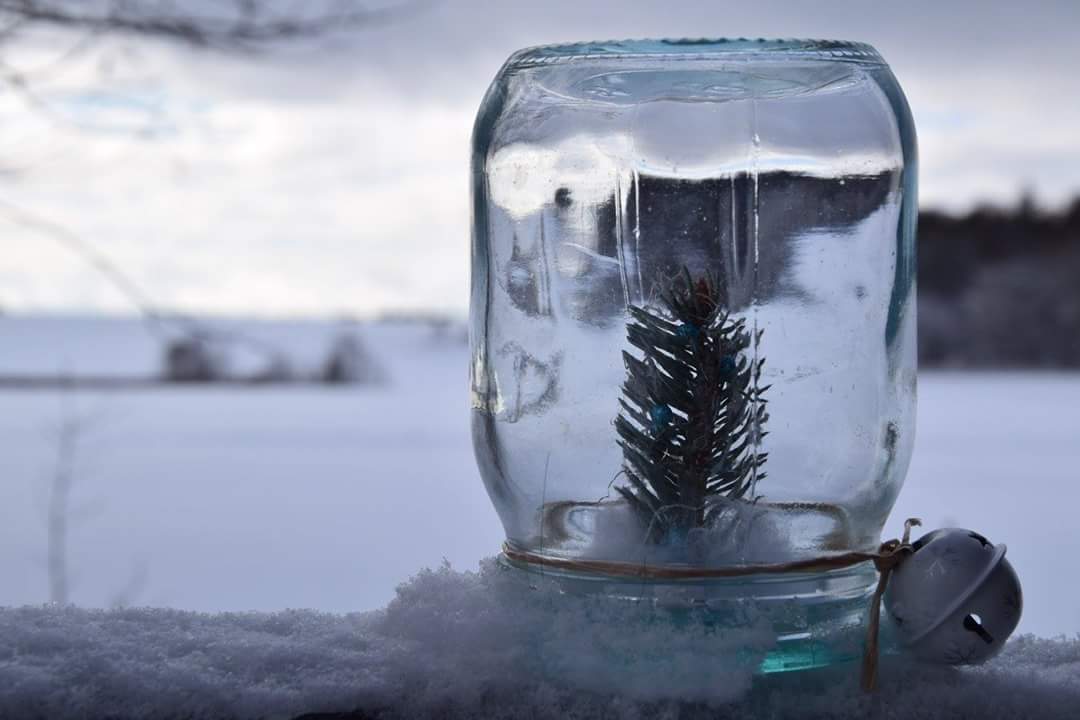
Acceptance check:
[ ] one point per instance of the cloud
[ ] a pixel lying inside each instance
(336, 178)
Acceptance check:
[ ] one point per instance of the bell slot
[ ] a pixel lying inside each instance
(973, 623)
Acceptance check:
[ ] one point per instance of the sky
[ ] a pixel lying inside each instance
(334, 180)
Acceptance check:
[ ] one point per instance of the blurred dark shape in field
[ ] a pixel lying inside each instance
(191, 359)
(203, 356)
(349, 362)
(1000, 288)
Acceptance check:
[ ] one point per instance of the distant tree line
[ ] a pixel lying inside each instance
(1000, 287)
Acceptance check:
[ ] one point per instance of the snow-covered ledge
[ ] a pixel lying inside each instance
(458, 644)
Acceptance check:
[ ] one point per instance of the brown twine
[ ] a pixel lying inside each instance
(888, 556)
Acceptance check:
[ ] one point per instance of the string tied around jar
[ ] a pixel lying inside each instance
(889, 555)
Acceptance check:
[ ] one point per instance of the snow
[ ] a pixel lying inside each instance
(258, 499)
(485, 644)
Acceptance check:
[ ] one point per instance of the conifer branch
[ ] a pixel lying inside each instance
(692, 410)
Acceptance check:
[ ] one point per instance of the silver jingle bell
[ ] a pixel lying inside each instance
(955, 599)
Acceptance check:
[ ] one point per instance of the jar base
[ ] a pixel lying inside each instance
(812, 620)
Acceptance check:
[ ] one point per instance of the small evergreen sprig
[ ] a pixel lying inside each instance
(692, 410)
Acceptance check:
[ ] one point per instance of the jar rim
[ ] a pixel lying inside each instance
(698, 49)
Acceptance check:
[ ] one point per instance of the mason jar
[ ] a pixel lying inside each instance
(693, 311)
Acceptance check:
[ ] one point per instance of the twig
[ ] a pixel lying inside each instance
(59, 511)
(248, 28)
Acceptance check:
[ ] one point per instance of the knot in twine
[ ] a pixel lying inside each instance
(888, 558)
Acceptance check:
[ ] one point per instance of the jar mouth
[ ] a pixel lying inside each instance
(764, 49)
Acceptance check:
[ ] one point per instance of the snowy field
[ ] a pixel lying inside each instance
(310, 497)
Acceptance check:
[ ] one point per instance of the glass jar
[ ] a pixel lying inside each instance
(693, 308)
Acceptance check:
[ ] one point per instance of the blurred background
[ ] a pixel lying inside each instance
(234, 277)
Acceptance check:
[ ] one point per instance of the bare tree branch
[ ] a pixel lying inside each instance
(242, 25)
(86, 252)
(59, 510)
